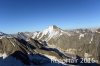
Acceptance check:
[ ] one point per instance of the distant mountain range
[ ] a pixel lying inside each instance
(51, 45)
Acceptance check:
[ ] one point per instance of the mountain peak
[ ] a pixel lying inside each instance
(53, 27)
(51, 30)
(1, 33)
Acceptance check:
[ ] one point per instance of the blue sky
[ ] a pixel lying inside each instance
(34, 15)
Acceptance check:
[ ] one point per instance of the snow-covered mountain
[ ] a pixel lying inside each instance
(82, 42)
(53, 46)
(15, 51)
(18, 52)
(49, 33)
(1, 33)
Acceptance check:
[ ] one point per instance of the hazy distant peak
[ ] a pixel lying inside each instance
(1, 33)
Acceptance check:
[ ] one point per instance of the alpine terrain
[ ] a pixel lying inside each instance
(51, 47)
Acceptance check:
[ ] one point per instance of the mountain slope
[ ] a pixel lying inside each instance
(82, 42)
(57, 43)
(15, 51)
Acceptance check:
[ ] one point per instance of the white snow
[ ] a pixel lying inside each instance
(38, 34)
(91, 39)
(1, 33)
(12, 43)
(97, 31)
(28, 34)
(34, 34)
(1, 37)
(22, 36)
(86, 55)
(4, 55)
(81, 35)
(61, 34)
(50, 32)
(71, 51)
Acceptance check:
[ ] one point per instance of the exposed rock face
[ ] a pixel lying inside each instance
(29, 53)
(53, 44)
(82, 42)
